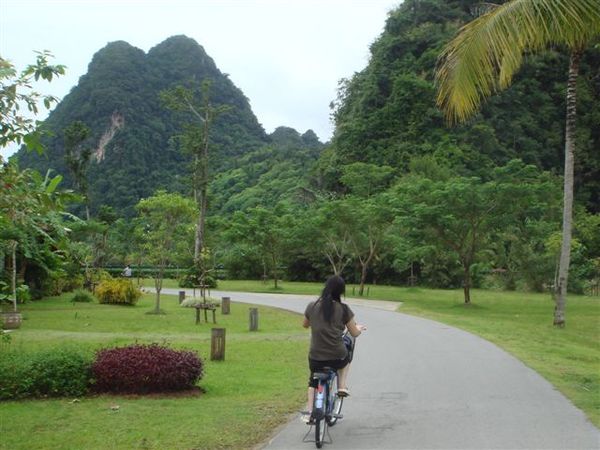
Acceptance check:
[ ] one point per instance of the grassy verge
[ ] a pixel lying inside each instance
(520, 323)
(260, 382)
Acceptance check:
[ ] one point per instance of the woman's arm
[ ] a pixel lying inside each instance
(355, 329)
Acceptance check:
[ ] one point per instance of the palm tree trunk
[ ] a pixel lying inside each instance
(560, 284)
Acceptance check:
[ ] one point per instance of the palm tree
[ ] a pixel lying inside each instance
(488, 51)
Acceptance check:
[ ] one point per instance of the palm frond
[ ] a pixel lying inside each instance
(488, 51)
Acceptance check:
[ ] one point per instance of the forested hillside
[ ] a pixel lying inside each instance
(132, 133)
(386, 113)
(397, 196)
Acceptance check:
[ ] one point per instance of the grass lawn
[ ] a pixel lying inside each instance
(260, 382)
(519, 322)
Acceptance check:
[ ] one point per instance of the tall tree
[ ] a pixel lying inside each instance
(165, 224)
(27, 206)
(329, 232)
(266, 231)
(370, 222)
(77, 157)
(31, 210)
(486, 54)
(196, 141)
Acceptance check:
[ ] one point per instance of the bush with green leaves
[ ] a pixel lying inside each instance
(83, 296)
(56, 372)
(55, 284)
(191, 279)
(118, 291)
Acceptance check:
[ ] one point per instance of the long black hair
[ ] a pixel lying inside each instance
(335, 286)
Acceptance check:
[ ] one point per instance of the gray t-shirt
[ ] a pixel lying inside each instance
(326, 338)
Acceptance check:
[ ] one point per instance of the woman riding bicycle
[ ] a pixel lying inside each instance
(327, 318)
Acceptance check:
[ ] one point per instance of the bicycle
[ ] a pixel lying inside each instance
(327, 403)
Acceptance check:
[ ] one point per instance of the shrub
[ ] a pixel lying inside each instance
(57, 283)
(83, 296)
(191, 279)
(118, 291)
(48, 373)
(73, 282)
(192, 302)
(142, 369)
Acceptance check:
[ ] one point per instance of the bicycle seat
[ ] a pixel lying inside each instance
(324, 374)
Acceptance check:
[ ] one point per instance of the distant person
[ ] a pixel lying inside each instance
(126, 271)
(327, 318)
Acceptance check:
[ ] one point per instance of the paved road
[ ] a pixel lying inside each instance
(419, 384)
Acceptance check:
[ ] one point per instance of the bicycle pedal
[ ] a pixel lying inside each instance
(337, 416)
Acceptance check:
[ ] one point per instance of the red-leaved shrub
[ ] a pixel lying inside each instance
(143, 369)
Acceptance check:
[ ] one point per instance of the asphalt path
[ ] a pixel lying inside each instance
(420, 384)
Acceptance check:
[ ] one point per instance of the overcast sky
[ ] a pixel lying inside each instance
(287, 56)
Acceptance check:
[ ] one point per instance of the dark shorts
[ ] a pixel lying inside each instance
(317, 366)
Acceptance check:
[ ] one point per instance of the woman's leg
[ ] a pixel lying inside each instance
(310, 399)
(343, 377)
(310, 396)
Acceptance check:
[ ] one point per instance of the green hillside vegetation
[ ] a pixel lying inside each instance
(398, 203)
(120, 92)
(396, 197)
(386, 113)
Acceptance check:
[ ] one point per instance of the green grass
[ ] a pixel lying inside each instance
(263, 377)
(518, 322)
(260, 382)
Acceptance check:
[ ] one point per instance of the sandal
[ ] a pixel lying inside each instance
(343, 393)
(305, 417)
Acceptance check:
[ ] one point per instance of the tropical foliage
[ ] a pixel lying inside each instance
(486, 54)
(396, 196)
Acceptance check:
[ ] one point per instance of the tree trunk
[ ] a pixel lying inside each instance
(333, 265)
(13, 278)
(467, 284)
(560, 284)
(158, 285)
(363, 278)
(202, 195)
(202, 218)
(198, 243)
(22, 269)
(275, 272)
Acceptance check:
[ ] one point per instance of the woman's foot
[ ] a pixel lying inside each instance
(305, 417)
(343, 392)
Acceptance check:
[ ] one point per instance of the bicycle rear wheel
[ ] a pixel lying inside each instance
(335, 403)
(320, 426)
